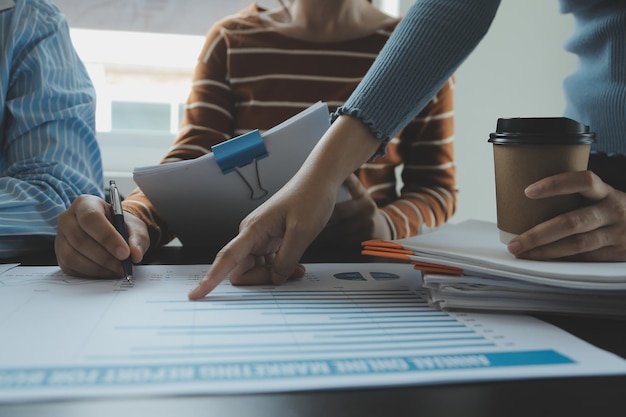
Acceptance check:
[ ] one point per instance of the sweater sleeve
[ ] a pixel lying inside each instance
(424, 50)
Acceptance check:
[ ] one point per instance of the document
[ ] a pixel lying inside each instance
(204, 199)
(503, 294)
(474, 246)
(466, 266)
(340, 326)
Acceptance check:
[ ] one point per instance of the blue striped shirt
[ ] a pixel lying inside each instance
(48, 150)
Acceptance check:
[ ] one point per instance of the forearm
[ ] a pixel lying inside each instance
(29, 209)
(47, 165)
(346, 145)
(428, 45)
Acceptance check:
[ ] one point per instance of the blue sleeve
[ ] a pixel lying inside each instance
(49, 154)
(425, 49)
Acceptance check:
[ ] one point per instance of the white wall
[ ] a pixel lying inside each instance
(516, 71)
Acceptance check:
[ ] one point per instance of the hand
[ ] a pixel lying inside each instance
(88, 245)
(273, 237)
(355, 220)
(595, 232)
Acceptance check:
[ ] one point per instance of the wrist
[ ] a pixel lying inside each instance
(346, 145)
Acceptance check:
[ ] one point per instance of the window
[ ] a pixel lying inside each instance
(140, 55)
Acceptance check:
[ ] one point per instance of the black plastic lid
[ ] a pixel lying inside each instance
(541, 130)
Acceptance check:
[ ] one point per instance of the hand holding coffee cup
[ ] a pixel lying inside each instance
(529, 149)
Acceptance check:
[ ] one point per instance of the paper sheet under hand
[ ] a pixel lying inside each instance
(341, 326)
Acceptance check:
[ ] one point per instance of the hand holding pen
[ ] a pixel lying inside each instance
(120, 226)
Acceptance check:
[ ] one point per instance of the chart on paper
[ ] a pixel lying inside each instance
(342, 325)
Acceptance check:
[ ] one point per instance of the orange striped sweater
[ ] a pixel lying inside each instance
(250, 77)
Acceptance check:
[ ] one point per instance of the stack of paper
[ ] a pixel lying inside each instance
(466, 267)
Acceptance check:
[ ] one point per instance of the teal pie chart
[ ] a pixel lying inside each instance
(357, 276)
(384, 276)
(350, 276)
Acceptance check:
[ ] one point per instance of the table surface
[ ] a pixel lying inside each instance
(580, 396)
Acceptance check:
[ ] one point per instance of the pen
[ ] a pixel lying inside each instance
(120, 226)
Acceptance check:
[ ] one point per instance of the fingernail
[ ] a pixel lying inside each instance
(120, 252)
(514, 247)
(193, 293)
(532, 190)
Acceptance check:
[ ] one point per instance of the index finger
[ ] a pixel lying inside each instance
(226, 260)
(586, 183)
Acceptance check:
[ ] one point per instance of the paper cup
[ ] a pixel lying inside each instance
(526, 150)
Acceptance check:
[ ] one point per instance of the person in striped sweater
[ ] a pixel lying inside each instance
(260, 67)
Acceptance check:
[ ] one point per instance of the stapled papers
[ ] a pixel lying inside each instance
(204, 199)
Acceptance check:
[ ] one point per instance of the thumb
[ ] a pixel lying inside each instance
(138, 238)
(138, 248)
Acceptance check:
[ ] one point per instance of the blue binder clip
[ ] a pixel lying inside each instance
(241, 154)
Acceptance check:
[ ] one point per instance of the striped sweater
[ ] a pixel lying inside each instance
(248, 77)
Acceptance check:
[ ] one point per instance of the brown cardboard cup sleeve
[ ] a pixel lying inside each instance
(526, 150)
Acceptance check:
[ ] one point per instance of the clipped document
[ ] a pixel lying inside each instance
(203, 200)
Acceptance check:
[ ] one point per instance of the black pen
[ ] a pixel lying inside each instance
(120, 226)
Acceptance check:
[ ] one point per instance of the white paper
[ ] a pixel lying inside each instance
(341, 326)
(474, 246)
(501, 294)
(203, 205)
